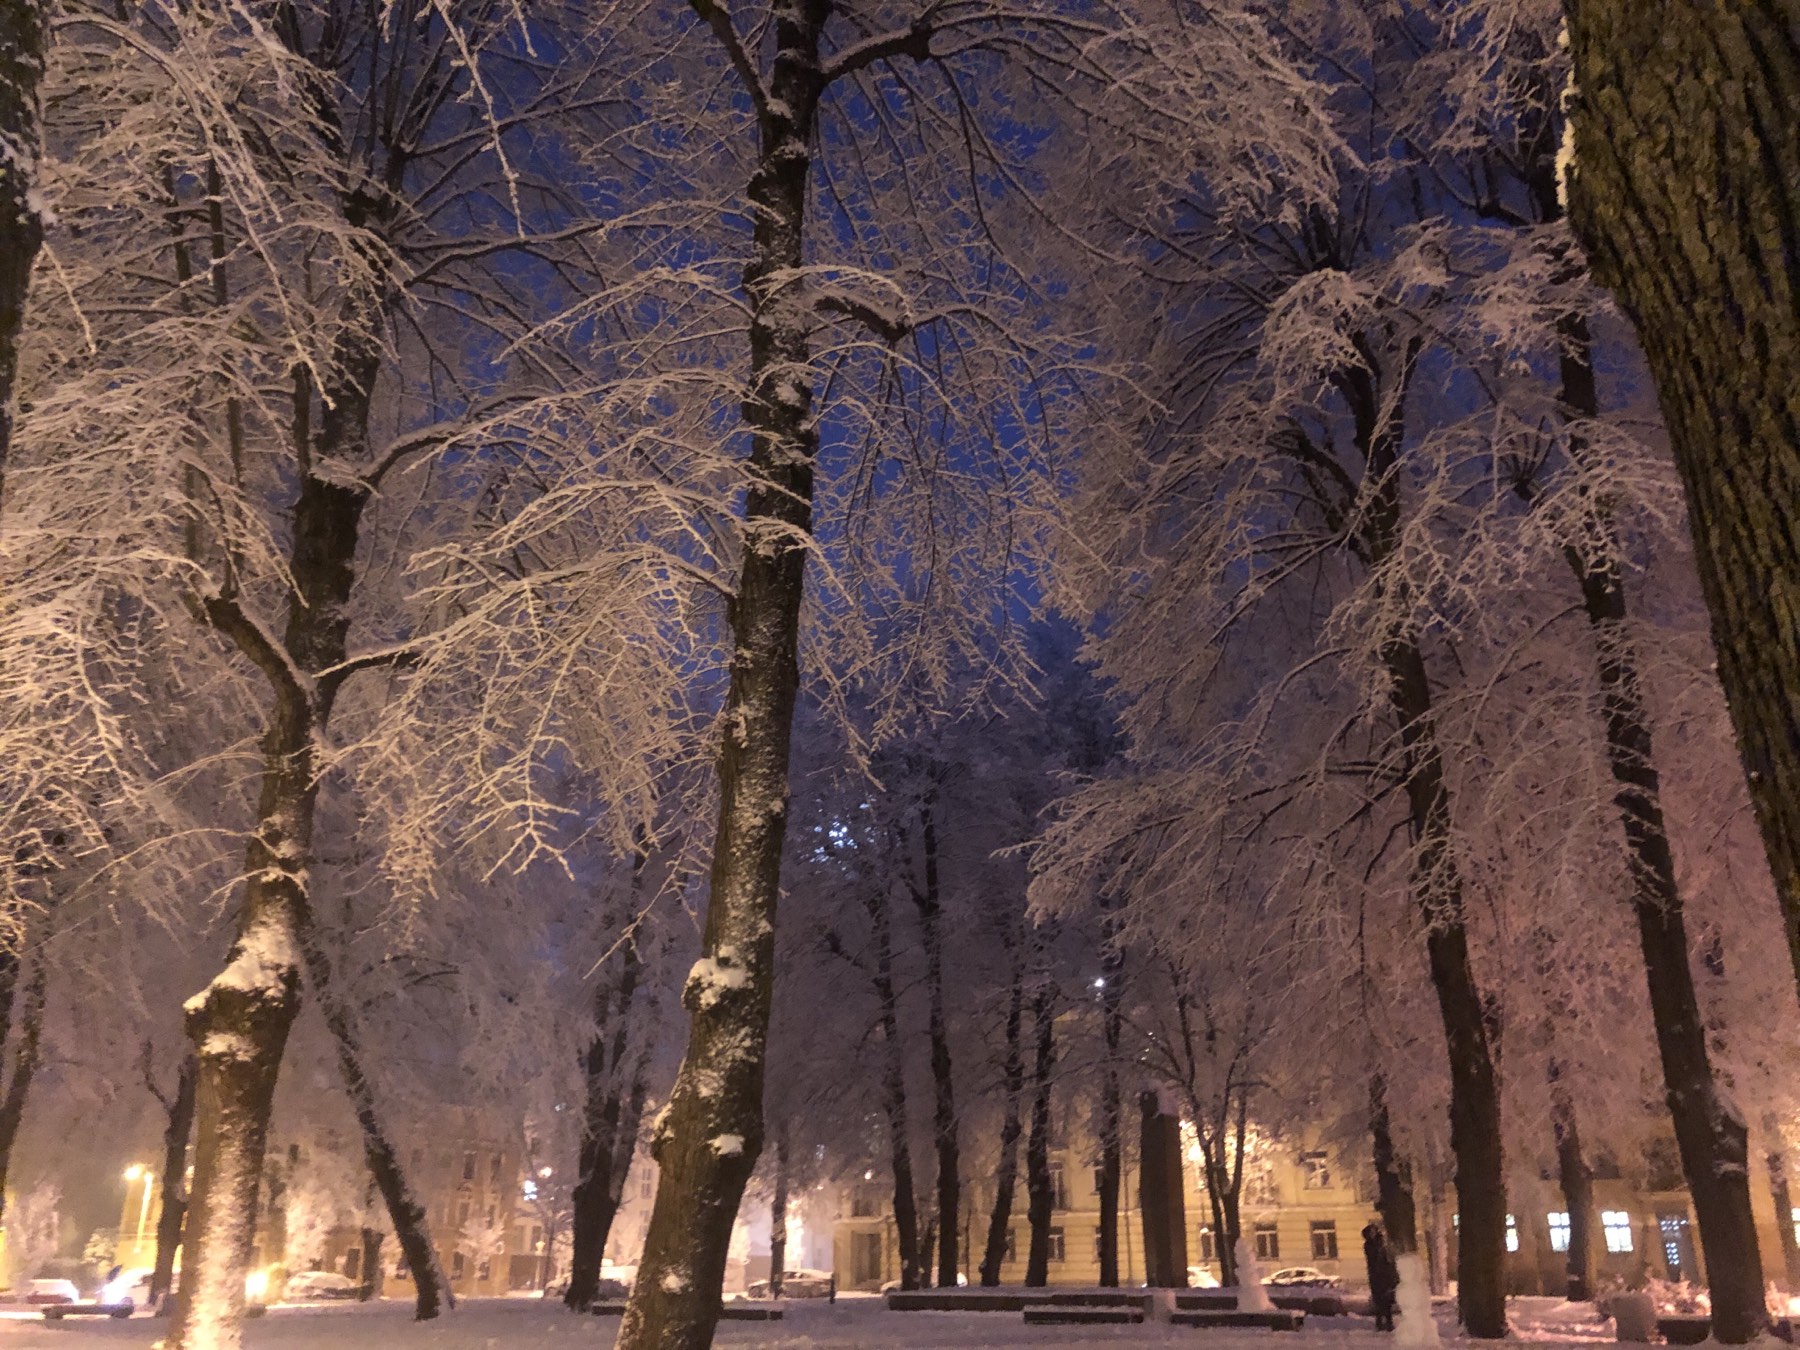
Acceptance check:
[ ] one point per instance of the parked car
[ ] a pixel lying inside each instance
(319, 1284)
(42, 1292)
(1199, 1277)
(798, 1284)
(1302, 1276)
(607, 1290)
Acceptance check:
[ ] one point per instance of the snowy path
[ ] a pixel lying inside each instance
(853, 1324)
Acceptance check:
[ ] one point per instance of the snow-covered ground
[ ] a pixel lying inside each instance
(851, 1324)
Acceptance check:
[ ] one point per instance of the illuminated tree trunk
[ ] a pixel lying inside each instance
(778, 1217)
(596, 1194)
(1393, 1178)
(173, 1210)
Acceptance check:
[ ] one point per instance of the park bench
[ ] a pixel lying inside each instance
(1282, 1319)
(1082, 1314)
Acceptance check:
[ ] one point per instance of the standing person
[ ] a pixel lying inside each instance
(1384, 1275)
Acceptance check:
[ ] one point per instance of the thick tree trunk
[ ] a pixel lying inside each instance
(26, 1054)
(1393, 1178)
(893, 1094)
(778, 1217)
(1576, 1180)
(22, 34)
(1686, 190)
(596, 1190)
(929, 902)
(431, 1291)
(1161, 1200)
(711, 1132)
(239, 1023)
(1006, 1171)
(173, 1212)
(1040, 1200)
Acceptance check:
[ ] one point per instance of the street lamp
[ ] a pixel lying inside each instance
(139, 1175)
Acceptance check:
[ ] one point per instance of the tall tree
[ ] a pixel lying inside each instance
(1684, 184)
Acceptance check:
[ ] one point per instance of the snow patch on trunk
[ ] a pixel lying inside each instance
(266, 959)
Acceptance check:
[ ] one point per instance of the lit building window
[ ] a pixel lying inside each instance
(1056, 1244)
(1559, 1230)
(1617, 1224)
(1209, 1247)
(1512, 1234)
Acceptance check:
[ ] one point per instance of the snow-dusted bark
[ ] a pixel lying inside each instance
(718, 1091)
(22, 35)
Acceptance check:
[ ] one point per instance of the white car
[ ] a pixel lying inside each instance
(310, 1285)
(797, 1284)
(42, 1293)
(1295, 1277)
(1199, 1277)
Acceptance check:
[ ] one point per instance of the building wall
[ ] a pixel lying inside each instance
(1287, 1203)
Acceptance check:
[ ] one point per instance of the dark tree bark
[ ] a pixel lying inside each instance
(595, 1198)
(893, 1095)
(1040, 1200)
(1576, 1179)
(928, 900)
(1393, 1178)
(1475, 1134)
(1713, 1141)
(22, 46)
(431, 1291)
(718, 1090)
(373, 1275)
(1686, 192)
(1161, 1201)
(26, 1052)
(778, 1217)
(1112, 1152)
(1006, 1171)
(173, 1211)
